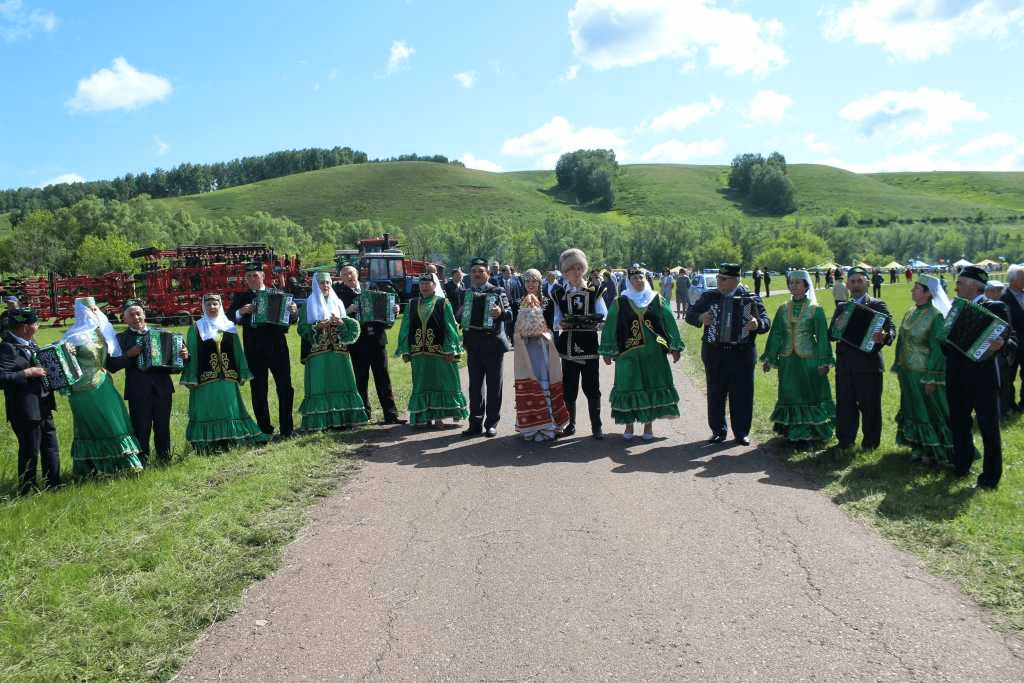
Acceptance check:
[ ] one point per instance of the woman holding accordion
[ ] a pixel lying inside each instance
(923, 418)
(331, 400)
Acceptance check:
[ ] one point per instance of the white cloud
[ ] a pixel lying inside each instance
(17, 21)
(161, 146)
(607, 34)
(480, 164)
(399, 53)
(677, 151)
(995, 141)
(466, 78)
(812, 143)
(915, 30)
(572, 73)
(66, 178)
(121, 87)
(768, 106)
(919, 114)
(686, 115)
(558, 136)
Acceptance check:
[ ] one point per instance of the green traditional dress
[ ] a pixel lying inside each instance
(638, 338)
(427, 334)
(331, 399)
(213, 373)
(798, 344)
(922, 421)
(104, 441)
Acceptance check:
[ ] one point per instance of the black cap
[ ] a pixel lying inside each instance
(856, 270)
(634, 269)
(975, 273)
(254, 267)
(23, 316)
(477, 262)
(729, 269)
(132, 302)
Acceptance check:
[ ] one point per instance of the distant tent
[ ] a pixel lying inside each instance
(988, 264)
(864, 266)
(892, 264)
(825, 266)
(917, 263)
(961, 263)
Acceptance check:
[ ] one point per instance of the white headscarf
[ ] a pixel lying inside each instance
(641, 298)
(87, 321)
(438, 289)
(208, 327)
(940, 300)
(806, 277)
(319, 307)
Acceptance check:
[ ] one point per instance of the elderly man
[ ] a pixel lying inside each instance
(30, 402)
(455, 288)
(973, 386)
(5, 317)
(485, 351)
(1013, 297)
(266, 351)
(859, 373)
(369, 350)
(729, 350)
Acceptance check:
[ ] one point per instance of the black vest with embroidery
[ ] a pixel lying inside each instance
(628, 331)
(426, 336)
(217, 363)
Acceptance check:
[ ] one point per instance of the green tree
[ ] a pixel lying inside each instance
(99, 255)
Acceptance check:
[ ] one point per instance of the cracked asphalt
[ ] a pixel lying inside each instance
(452, 559)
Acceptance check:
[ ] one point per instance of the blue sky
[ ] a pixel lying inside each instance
(94, 90)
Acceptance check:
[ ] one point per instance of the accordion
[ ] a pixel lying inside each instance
(729, 320)
(476, 310)
(971, 329)
(161, 349)
(376, 307)
(856, 324)
(60, 363)
(271, 307)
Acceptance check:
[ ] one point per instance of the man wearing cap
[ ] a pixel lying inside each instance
(579, 312)
(148, 391)
(369, 350)
(30, 402)
(859, 373)
(485, 350)
(1013, 297)
(5, 317)
(729, 350)
(266, 351)
(455, 288)
(973, 386)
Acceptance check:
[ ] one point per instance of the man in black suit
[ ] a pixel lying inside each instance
(30, 402)
(859, 373)
(973, 386)
(1013, 297)
(148, 391)
(455, 288)
(485, 350)
(266, 351)
(369, 350)
(514, 291)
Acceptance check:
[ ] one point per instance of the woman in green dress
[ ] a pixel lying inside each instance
(638, 333)
(798, 345)
(215, 369)
(429, 340)
(332, 400)
(104, 441)
(923, 418)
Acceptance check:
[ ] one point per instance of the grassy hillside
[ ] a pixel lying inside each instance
(1004, 190)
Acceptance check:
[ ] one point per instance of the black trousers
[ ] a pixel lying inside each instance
(1007, 395)
(484, 366)
(729, 372)
(37, 441)
(586, 373)
(375, 359)
(152, 415)
(277, 364)
(984, 403)
(859, 403)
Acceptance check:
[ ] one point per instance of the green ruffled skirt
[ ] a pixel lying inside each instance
(104, 441)
(436, 391)
(923, 421)
(644, 390)
(216, 415)
(804, 410)
(331, 399)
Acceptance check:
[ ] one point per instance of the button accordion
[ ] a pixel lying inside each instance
(856, 324)
(376, 307)
(271, 307)
(729, 320)
(971, 329)
(161, 349)
(476, 310)
(60, 363)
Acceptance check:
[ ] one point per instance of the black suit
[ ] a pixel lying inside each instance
(859, 384)
(729, 368)
(974, 387)
(485, 350)
(369, 352)
(266, 350)
(30, 406)
(1016, 365)
(148, 393)
(454, 292)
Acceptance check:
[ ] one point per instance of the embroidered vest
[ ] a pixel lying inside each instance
(629, 330)
(427, 336)
(217, 361)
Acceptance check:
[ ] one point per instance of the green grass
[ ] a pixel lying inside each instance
(974, 538)
(1005, 190)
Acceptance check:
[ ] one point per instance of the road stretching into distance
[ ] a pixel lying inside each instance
(453, 559)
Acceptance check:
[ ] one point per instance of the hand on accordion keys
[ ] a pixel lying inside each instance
(35, 371)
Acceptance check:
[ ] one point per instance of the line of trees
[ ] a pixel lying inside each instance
(762, 184)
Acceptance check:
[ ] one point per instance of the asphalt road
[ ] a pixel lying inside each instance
(458, 559)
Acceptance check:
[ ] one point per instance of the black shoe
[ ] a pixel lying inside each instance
(844, 446)
(717, 438)
(599, 435)
(569, 430)
(474, 430)
(743, 440)
(490, 432)
(393, 420)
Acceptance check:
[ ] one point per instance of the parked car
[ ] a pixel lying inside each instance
(700, 283)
